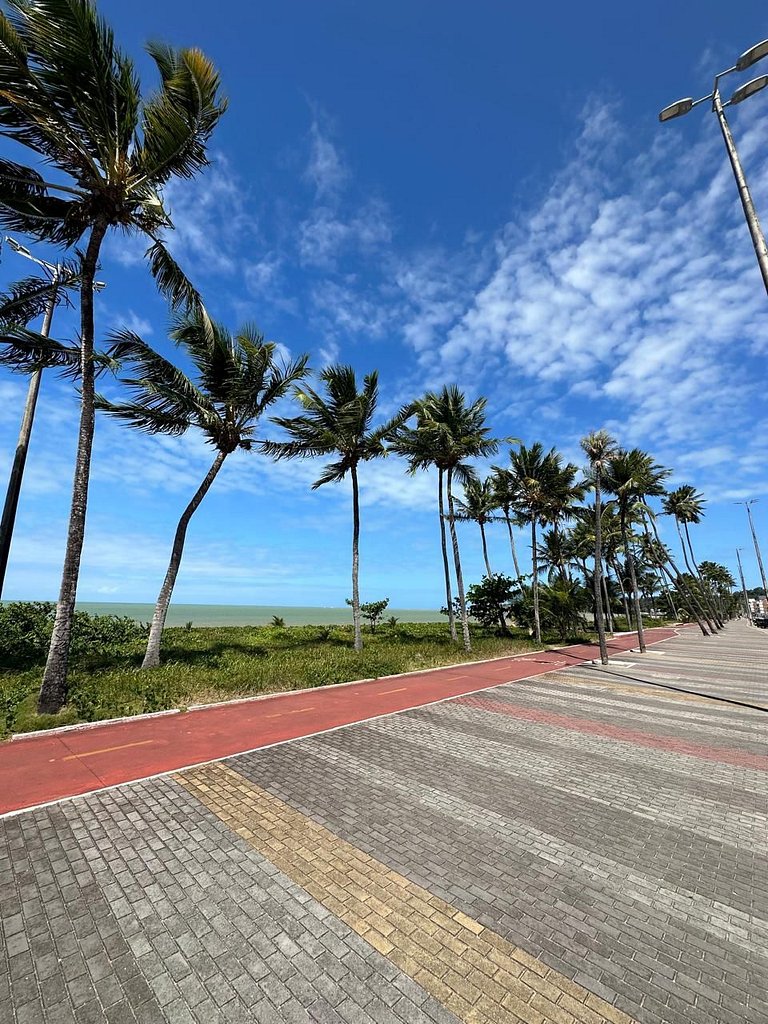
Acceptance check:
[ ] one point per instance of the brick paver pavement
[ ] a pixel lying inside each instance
(579, 847)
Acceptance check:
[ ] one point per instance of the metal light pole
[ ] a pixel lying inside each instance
(680, 107)
(744, 587)
(757, 546)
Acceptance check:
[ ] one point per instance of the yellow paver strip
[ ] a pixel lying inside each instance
(472, 971)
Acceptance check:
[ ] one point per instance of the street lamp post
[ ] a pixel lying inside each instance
(681, 107)
(744, 587)
(757, 546)
(22, 447)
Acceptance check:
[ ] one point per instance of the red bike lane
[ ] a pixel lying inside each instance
(45, 767)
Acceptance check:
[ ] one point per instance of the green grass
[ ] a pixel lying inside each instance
(221, 663)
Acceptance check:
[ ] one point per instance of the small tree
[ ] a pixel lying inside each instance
(372, 611)
(490, 602)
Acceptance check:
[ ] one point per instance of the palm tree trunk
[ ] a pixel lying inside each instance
(457, 564)
(624, 600)
(152, 655)
(446, 567)
(607, 601)
(512, 546)
(485, 551)
(53, 690)
(356, 561)
(597, 576)
(712, 603)
(701, 598)
(677, 579)
(630, 559)
(535, 568)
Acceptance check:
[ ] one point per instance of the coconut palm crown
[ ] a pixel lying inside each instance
(72, 98)
(237, 378)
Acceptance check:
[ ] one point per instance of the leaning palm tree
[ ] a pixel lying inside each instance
(339, 423)
(535, 476)
(599, 448)
(460, 434)
(632, 476)
(478, 506)
(237, 379)
(68, 94)
(686, 505)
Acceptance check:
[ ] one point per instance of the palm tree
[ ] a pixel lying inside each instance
(421, 445)
(340, 424)
(555, 554)
(238, 379)
(659, 555)
(536, 477)
(68, 94)
(460, 434)
(564, 494)
(686, 506)
(505, 502)
(632, 476)
(478, 506)
(599, 448)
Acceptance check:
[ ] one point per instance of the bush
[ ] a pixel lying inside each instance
(26, 627)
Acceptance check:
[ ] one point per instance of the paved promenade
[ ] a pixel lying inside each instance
(585, 846)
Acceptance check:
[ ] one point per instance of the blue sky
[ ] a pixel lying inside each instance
(445, 192)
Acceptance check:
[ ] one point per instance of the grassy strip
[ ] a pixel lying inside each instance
(210, 664)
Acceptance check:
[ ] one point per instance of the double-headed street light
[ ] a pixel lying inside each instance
(683, 106)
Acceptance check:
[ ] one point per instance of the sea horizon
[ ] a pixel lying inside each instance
(247, 614)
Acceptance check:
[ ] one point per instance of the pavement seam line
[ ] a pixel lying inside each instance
(470, 969)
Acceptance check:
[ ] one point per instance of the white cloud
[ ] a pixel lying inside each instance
(325, 169)
(632, 283)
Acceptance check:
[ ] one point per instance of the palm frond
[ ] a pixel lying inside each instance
(25, 351)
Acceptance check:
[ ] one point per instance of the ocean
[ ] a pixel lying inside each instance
(247, 614)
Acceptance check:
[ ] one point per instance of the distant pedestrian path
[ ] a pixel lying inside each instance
(732, 666)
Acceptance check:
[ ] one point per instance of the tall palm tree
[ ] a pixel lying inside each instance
(505, 502)
(237, 380)
(599, 448)
(339, 423)
(422, 446)
(536, 477)
(68, 94)
(686, 505)
(461, 434)
(478, 506)
(632, 476)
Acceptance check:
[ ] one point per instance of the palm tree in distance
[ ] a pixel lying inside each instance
(421, 445)
(503, 487)
(460, 434)
(632, 476)
(535, 476)
(478, 506)
(238, 379)
(339, 424)
(686, 505)
(68, 94)
(599, 448)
